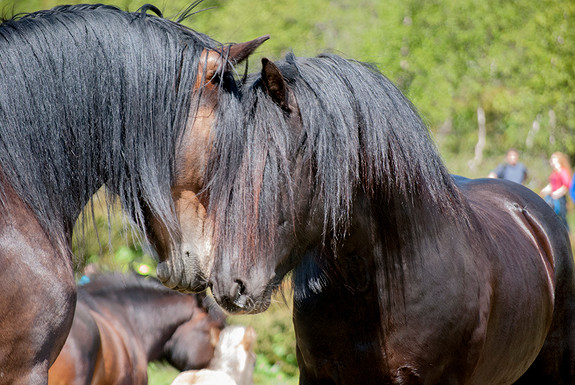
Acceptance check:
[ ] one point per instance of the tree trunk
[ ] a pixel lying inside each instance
(481, 133)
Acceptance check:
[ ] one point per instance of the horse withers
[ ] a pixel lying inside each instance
(89, 96)
(403, 274)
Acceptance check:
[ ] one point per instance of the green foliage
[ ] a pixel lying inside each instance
(104, 238)
(513, 59)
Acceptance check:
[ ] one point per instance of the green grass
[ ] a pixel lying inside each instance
(161, 373)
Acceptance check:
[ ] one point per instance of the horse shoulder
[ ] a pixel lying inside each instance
(37, 276)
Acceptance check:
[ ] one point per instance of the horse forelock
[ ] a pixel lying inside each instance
(91, 95)
(247, 153)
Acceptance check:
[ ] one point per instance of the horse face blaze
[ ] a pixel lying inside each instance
(185, 257)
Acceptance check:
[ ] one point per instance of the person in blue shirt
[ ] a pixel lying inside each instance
(512, 169)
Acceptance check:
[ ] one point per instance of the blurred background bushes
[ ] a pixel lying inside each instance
(513, 59)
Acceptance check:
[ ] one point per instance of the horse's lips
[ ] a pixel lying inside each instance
(234, 309)
(174, 276)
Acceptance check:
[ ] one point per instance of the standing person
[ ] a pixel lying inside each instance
(512, 169)
(555, 193)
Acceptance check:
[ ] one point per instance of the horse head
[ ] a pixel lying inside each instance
(333, 157)
(262, 222)
(184, 262)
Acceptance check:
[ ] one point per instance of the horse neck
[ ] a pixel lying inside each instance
(381, 241)
(60, 227)
(154, 320)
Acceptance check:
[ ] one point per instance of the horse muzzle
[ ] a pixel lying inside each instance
(184, 276)
(237, 299)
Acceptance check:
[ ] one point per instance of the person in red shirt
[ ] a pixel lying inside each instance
(555, 193)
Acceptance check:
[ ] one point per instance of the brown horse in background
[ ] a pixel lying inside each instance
(123, 322)
(91, 95)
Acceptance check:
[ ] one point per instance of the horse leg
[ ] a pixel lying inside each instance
(38, 296)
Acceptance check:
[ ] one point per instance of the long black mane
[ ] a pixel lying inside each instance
(360, 135)
(93, 95)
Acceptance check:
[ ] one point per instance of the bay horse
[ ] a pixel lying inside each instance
(123, 322)
(402, 273)
(91, 95)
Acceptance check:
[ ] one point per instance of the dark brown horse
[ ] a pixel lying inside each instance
(403, 274)
(89, 96)
(123, 322)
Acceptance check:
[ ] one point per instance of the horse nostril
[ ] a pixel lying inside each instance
(234, 297)
(240, 288)
(238, 295)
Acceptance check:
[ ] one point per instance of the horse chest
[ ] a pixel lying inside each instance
(338, 339)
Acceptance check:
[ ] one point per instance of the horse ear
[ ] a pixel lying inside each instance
(275, 84)
(211, 60)
(240, 52)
